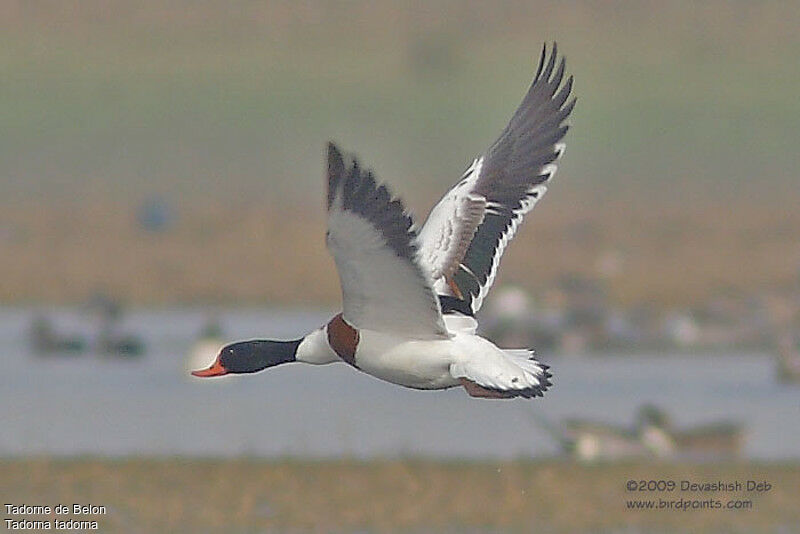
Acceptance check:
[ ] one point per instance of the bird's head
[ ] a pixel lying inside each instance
(250, 357)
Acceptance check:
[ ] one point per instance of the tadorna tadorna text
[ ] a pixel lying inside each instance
(409, 297)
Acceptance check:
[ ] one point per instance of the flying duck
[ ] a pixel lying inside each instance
(409, 296)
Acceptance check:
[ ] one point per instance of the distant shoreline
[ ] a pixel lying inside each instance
(671, 255)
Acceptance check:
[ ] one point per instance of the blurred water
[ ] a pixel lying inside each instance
(91, 405)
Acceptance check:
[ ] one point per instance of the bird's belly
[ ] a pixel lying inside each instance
(419, 364)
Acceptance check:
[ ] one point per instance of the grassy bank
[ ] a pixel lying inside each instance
(178, 495)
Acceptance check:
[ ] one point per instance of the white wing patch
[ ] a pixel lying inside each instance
(373, 245)
(451, 225)
(380, 291)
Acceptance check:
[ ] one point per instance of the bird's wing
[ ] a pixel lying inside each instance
(467, 232)
(375, 249)
(450, 227)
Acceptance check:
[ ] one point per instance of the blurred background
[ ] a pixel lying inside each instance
(161, 193)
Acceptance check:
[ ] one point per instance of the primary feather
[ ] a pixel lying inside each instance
(467, 232)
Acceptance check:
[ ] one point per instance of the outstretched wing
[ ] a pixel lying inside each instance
(467, 232)
(374, 246)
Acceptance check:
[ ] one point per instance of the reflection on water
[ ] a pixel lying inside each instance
(91, 405)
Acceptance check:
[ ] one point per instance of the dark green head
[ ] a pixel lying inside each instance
(251, 357)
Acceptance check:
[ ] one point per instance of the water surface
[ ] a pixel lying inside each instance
(91, 405)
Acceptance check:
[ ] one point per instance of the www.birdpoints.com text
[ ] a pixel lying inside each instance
(690, 494)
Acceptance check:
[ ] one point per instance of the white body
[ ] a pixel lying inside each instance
(434, 363)
(420, 364)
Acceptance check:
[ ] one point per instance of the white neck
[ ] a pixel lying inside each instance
(315, 349)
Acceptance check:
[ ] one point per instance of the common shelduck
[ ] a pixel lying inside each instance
(409, 297)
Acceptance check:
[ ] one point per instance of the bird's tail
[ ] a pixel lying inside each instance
(515, 373)
(534, 369)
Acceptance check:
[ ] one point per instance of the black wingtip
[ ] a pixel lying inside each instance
(335, 155)
(336, 170)
(333, 152)
(547, 63)
(360, 193)
(542, 57)
(551, 63)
